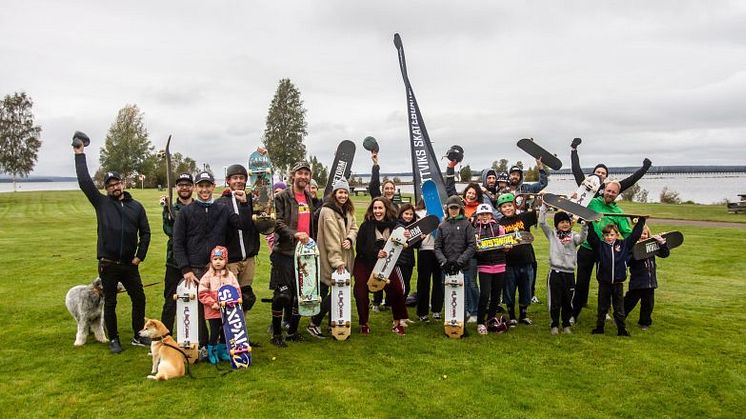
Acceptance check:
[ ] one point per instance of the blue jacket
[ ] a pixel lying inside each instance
(642, 272)
(612, 258)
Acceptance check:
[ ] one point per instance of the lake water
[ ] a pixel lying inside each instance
(700, 188)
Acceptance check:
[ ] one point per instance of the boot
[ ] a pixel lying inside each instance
(222, 352)
(212, 354)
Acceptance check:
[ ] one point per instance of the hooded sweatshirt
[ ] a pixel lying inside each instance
(563, 256)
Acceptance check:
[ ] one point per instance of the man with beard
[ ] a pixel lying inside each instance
(172, 277)
(294, 209)
(123, 240)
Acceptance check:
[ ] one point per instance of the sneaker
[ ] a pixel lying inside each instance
(424, 319)
(399, 330)
(140, 341)
(643, 327)
(597, 331)
(555, 331)
(203, 354)
(295, 337)
(482, 329)
(535, 300)
(513, 323)
(278, 341)
(472, 319)
(527, 321)
(566, 330)
(285, 325)
(436, 316)
(376, 308)
(364, 330)
(572, 321)
(608, 317)
(407, 321)
(623, 332)
(315, 331)
(114, 346)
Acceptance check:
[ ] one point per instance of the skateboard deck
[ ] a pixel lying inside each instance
(384, 266)
(454, 305)
(421, 228)
(260, 179)
(234, 326)
(433, 201)
(342, 165)
(587, 190)
(569, 206)
(649, 247)
(187, 333)
(307, 278)
(499, 242)
(341, 305)
(632, 217)
(529, 146)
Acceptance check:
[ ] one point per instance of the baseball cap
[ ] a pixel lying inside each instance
(111, 176)
(204, 177)
(301, 165)
(185, 177)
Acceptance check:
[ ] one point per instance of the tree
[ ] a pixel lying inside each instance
(319, 173)
(127, 149)
(501, 166)
(635, 193)
(285, 127)
(532, 174)
(465, 173)
(19, 137)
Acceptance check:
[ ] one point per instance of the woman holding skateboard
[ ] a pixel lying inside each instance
(380, 221)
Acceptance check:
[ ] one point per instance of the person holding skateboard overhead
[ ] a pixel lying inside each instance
(602, 171)
(216, 276)
(122, 243)
(643, 280)
(380, 221)
(172, 276)
(612, 253)
(336, 240)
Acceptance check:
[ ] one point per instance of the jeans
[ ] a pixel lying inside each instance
(471, 289)
(518, 277)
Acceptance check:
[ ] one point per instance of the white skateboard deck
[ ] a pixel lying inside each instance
(587, 190)
(341, 305)
(384, 266)
(454, 305)
(187, 332)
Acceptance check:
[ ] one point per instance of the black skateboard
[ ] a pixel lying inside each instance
(421, 228)
(529, 146)
(632, 217)
(567, 205)
(649, 247)
(342, 165)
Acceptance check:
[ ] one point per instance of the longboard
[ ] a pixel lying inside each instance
(187, 333)
(307, 278)
(421, 228)
(234, 326)
(529, 146)
(454, 305)
(260, 178)
(515, 238)
(341, 304)
(384, 266)
(587, 190)
(342, 165)
(433, 201)
(649, 247)
(571, 207)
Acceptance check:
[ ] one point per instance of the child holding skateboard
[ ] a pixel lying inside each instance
(216, 276)
(643, 281)
(491, 268)
(406, 258)
(612, 255)
(563, 244)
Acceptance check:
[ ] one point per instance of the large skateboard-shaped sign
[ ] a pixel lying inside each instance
(234, 326)
(341, 305)
(432, 198)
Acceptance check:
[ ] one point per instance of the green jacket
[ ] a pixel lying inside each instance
(168, 228)
(599, 205)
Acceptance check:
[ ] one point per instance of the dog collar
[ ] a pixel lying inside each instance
(161, 338)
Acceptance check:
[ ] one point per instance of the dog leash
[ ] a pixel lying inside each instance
(144, 286)
(189, 371)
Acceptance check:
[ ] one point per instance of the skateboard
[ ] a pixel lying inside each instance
(633, 217)
(499, 242)
(187, 334)
(649, 247)
(421, 228)
(433, 201)
(260, 178)
(307, 278)
(454, 305)
(234, 326)
(342, 165)
(169, 180)
(529, 146)
(341, 305)
(587, 190)
(382, 270)
(527, 201)
(569, 206)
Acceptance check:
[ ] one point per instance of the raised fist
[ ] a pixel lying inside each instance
(575, 143)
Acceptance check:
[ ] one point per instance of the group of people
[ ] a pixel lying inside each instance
(213, 242)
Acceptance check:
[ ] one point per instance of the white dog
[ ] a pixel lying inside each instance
(86, 304)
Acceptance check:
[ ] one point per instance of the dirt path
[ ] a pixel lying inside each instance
(698, 223)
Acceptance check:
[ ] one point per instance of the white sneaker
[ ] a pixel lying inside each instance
(572, 321)
(472, 319)
(608, 317)
(555, 331)
(535, 300)
(513, 322)
(436, 316)
(376, 309)
(567, 330)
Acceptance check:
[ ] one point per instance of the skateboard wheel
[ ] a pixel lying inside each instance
(192, 296)
(176, 297)
(254, 218)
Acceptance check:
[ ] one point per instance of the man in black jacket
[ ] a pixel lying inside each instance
(123, 240)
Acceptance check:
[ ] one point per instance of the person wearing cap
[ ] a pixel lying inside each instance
(294, 210)
(313, 188)
(519, 269)
(336, 240)
(198, 228)
(455, 243)
(172, 276)
(562, 261)
(122, 243)
(491, 268)
(603, 172)
(516, 184)
(242, 243)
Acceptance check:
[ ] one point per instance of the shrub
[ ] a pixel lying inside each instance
(669, 196)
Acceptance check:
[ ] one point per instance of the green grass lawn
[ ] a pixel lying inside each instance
(690, 363)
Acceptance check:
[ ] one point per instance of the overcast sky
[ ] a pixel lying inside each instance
(663, 79)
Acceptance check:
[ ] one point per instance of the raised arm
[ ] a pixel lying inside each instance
(577, 172)
(634, 177)
(451, 178)
(84, 180)
(374, 187)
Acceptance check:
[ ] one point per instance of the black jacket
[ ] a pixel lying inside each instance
(249, 232)
(455, 241)
(200, 227)
(168, 228)
(642, 273)
(367, 244)
(286, 208)
(612, 258)
(524, 253)
(123, 229)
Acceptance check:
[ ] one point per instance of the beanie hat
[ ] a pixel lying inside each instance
(219, 251)
(561, 216)
(341, 184)
(279, 185)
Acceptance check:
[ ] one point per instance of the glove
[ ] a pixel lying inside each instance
(646, 162)
(575, 143)
(451, 268)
